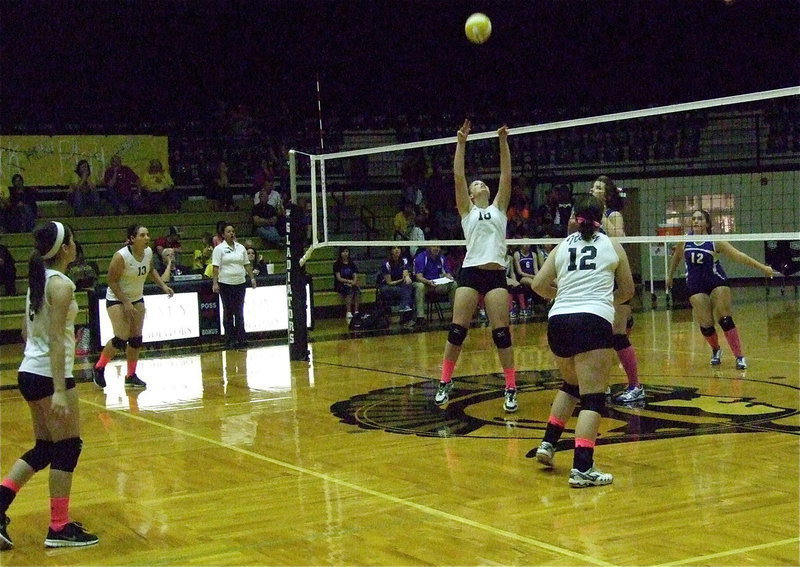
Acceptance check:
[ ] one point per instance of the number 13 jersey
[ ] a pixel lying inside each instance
(585, 276)
(131, 282)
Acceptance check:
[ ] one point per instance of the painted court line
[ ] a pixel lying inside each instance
(364, 490)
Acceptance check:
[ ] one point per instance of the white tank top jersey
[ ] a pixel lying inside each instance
(133, 275)
(36, 358)
(485, 233)
(585, 276)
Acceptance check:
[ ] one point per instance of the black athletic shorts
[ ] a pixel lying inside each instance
(111, 302)
(482, 280)
(574, 333)
(34, 387)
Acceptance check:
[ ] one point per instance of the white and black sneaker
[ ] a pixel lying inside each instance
(443, 393)
(545, 453)
(71, 535)
(5, 539)
(741, 363)
(592, 477)
(716, 357)
(133, 381)
(99, 376)
(510, 400)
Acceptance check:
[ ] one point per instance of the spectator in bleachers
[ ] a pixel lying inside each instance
(83, 195)
(219, 237)
(265, 219)
(429, 273)
(345, 282)
(202, 254)
(170, 240)
(447, 224)
(414, 233)
(21, 210)
(220, 190)
(402, 220)
(422, 218)
(556, 211)
(256, 260)
(82, 273)
(395, 288)
(160, 188)
(124, 192)
(265, 174)
(8, 271)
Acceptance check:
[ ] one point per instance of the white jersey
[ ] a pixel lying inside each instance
(231, 261)
(37, 346)
(585, 276)
(133, 275)
(485, 232)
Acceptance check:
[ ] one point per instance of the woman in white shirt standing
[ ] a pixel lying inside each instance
(127, 273)
(46, 383)
(231, 269)
(483, 271)
(581, 274)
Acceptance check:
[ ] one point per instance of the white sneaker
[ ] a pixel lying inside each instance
(510, 402)
(630, 395)
(592, 477)
(545, 453)
(741, 363)
(443, 393)
(716, 357)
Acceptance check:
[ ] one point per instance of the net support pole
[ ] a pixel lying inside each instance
(296, 285)
(293, 176)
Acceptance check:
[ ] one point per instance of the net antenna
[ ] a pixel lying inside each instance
(625, 174)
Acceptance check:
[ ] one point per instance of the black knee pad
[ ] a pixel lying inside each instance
(65, 454)
(118, 343)
(456, 335)
(502, 337)
(571, 389)
(727, 323)
(135, 342)
(39, 457)
(594, 402)
(707, 331)
(620, 342)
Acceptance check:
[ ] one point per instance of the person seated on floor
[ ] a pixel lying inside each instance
(395, 287)
(345, 282)
(430, 274)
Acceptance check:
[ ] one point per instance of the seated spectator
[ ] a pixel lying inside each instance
(402, 220)
(220, 190)
(168, 265)
(256, 261)
(345, 281)
(124, 192)
(83, 195)
(21, 209)
(8, 271)
(265, 220)
(82, 273)
(395, 287)
(422, 218)
(414, 233)
(219, 237)
(556, 211)
(517, 304)
(160, 188)
(429, 265)
(170, 240)
(202, 254)
(447, 224)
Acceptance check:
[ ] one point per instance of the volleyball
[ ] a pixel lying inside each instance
(478, 28)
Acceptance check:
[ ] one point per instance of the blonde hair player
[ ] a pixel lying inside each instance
(46, 383)
(483, 271)
(129, 268)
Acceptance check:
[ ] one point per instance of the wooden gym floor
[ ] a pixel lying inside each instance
(243, 458)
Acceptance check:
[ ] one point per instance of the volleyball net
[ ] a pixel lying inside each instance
(736, 157)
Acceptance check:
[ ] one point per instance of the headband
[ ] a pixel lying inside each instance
(57, 244)
(582, 220)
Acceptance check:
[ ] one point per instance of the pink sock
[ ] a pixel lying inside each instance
(447, 370)
(131, 367)
(59, 513)
(11, 485)
(733, 340)
(583, 442)
(511, 378)
(713, 340)
(103, 361)
(627, 357)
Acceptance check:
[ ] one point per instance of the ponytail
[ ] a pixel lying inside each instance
(48, 240)
(588, 212)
